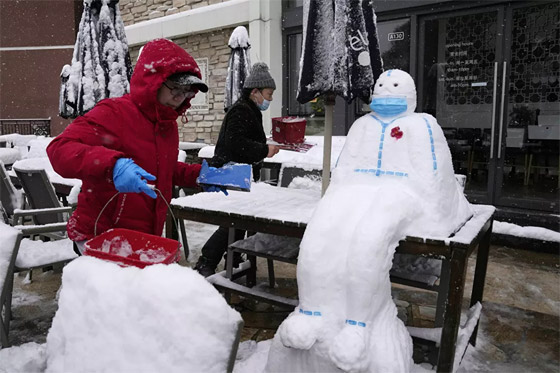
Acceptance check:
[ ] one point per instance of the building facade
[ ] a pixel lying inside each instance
(36, 40)
(487, 70)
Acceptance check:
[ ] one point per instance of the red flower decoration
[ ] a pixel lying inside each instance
(396, 133)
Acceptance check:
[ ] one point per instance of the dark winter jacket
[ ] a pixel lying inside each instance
(242, 138)
(134, 126)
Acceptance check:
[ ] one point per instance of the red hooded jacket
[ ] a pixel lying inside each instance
(134, 126)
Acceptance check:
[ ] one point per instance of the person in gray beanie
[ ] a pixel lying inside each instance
(241, 140)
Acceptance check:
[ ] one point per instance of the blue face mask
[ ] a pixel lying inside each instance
(265, 104)
(388, 106)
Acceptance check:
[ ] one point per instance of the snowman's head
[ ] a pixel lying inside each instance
(394, 94)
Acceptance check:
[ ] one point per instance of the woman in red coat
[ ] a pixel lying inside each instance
(123, 143)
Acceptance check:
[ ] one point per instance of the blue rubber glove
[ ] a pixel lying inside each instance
(128, 177)
(214, 188)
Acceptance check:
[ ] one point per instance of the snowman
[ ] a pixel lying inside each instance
(393, 178)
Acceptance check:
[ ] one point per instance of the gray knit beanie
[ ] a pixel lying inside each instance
(259, 77)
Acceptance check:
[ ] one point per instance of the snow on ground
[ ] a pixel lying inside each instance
(537, 233)
(251, 358)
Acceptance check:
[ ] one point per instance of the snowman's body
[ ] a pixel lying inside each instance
(394, 178)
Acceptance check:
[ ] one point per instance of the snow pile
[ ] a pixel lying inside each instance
(15, 139)
(157, 319)
(239, 38)
(38, 147)
(27, 358)
(9, 155)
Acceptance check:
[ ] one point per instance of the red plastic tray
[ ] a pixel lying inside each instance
(131, 248)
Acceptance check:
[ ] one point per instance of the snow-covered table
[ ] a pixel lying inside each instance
(284, 211)
(9, 155)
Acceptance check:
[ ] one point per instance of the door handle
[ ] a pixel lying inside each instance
(493, 110)
(504, 75)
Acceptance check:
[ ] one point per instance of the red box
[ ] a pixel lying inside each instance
(288, 130)
(141, 249)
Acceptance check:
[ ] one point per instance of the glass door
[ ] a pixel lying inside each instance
(459, 85)
(529, 126)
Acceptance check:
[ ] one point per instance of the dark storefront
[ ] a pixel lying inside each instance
(489, 72)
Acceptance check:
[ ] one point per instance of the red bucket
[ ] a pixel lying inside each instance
(131, 248)
(288, 130)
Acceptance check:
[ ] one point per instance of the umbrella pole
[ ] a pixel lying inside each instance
(327, 140)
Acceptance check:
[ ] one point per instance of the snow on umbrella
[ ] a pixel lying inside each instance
(238, 65)
(340, 57)
(101, 65)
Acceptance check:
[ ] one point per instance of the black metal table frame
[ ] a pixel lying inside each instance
(456, 254)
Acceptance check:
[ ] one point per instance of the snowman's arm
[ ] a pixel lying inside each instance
(354, 139)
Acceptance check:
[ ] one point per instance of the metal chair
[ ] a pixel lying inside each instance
(46, 208)
(10, 238)
(49, 220)
(11, 199)
(288, 173)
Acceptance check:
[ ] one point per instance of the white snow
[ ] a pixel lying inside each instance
(261, 202)
(164, 318)
(9, 155)
(27, 358)
(35, 253)
(239, 38)
(38, 147)
(537, 233)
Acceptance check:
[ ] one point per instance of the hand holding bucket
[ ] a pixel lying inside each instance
(128, 177)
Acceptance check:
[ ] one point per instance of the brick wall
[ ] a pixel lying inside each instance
(205, 127)
(134, 11)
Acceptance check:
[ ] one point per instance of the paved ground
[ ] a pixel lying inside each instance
(520, 323)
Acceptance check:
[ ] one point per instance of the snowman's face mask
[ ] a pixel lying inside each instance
(388, 106)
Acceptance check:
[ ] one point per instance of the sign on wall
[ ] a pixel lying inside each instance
(200, 102)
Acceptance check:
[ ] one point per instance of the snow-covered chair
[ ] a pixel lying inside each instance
(11, 199)
(34, 254)
(46, 208)
(301, 176)
(49, 220)
(10, 238)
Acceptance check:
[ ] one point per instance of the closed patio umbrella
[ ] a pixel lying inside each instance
(340, 57)
(238, 65)
(100, 65)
